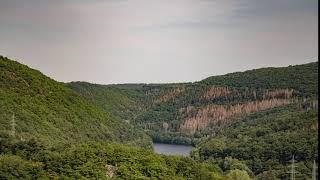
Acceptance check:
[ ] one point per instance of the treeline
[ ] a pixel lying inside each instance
(302, 78)
(170, 138)
(52, 112)
(182, 107)
(267, 141)
(244, 125)
(31, 160)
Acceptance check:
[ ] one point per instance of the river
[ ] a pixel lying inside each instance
(172, 149)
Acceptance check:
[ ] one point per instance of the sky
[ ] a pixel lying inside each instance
(156, 41)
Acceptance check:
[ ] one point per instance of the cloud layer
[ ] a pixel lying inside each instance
(126, 41)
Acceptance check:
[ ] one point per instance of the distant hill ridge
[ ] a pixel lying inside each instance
(258, 117)
(176, 112)
(52, 112)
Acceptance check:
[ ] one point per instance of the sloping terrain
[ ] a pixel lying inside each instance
(267, 141)
(259, 117)
(31, 160)
(122, 101)
(262, 117)
(182, 113)
(48, 131)
(35, 106)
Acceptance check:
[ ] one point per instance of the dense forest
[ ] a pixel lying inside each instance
(272, 105)
(242, 125)
(29, 159)
(266, 142)
(33, 105)
(185, 112)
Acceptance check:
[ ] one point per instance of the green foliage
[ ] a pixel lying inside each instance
(262, 142)
(238, 175)
(266, 141)
(14, 167)
(230, 163)
(61, 130)
(53, 113)
(93, 160)
(141, 104)
(123, 103)
(214, 147)
(302, 78)
(170, 138)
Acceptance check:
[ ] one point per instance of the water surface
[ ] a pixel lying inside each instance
(172, 149)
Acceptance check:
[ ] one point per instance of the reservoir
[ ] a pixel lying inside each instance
(172, 149)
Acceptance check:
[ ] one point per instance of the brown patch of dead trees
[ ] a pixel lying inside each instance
(214, 114)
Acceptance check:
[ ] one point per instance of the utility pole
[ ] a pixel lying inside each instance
(13, 126)
(293, 169)
(314, 171)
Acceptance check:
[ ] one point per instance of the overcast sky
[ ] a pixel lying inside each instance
(156, 41)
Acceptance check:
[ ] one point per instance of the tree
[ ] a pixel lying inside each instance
(238, 175)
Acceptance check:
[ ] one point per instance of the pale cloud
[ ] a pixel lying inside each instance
(119, 41)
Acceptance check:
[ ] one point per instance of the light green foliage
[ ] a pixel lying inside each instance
(302, 78)
(230, 163)
(141, 105)
(53, 113)
(62, 130)
(118, 100)
(238, 175)
(213, 147)
(266, 142)
(13, 167)
(29, 159)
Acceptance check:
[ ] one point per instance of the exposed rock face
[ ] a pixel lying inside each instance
(214, 114)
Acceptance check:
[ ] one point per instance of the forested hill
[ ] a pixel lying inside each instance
(179, 113)
(261, 117)
(302, 78)
(34, 106)
(48, 131)
(124, 101)
(242, 124)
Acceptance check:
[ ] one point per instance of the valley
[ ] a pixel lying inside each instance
(246, 124)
